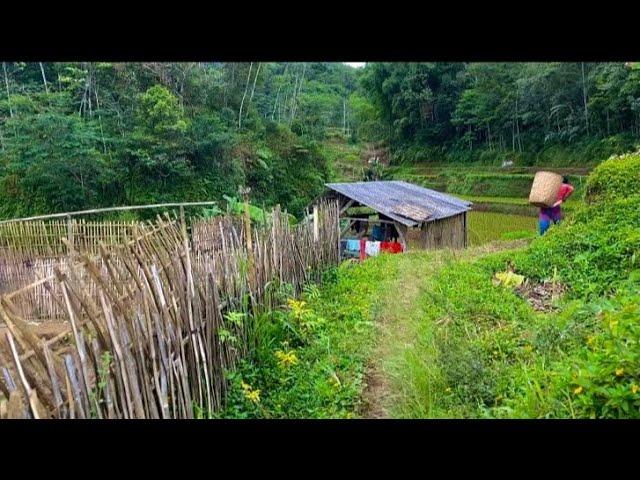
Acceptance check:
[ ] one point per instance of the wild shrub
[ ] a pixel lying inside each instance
(592, 252)
(604, 378)
(309, 361)
(616, 178)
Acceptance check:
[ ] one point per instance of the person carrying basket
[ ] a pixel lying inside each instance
(553, 214)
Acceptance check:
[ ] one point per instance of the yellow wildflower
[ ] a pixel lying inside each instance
(634, 388)
(448, 389)
(251, 394)
(613, 323)
(591, 339)
(297, 307)
(528, 348)
(577, 390)
(286, 359)
(619, 372)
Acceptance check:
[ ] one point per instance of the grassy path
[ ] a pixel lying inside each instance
(399, 323)
(395, 307)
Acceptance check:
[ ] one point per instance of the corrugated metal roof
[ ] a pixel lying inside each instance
(389, 196)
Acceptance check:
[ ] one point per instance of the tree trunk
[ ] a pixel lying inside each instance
(104, 143)
(518, 128)
(283, 106)
(584, 99)
(253, 89)
(292, 100)
(297, 93)
(275, 104)
(6, 83)
(44, 77)
(344, 116)
(246, 87)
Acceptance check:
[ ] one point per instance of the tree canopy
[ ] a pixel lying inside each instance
(82, 135)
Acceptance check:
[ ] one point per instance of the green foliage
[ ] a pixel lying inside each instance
(532, 113)
(593, 251)
(310, 356)
(518, 234)
(96, 395)
(104, 134)
(616, 178)
(604, 377)
(476, 348)
(490, 184)
(52, 162)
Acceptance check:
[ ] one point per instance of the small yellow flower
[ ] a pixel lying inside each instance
(619, 372)
(591, 339)
(251, 394)
(613, 323)
(634, 388)
(297, 307)
(577, 390)
(528, 348)
(448, 389)
(286, 359)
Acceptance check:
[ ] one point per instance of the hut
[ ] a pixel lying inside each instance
(421, 217)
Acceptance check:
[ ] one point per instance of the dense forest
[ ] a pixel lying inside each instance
(83, 135)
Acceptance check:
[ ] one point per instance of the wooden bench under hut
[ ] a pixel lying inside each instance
(418, 217)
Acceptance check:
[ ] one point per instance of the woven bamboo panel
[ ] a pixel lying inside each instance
(545, 188)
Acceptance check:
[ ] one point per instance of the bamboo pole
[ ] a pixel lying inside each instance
(110, 209)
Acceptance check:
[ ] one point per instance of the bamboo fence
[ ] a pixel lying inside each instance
(153, 323)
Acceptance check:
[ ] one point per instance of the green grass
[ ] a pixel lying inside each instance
(330, 335)
(470, 349)
(478, 349)
(436, 370)
(344, 159)
(477, 182)
(443, 340)
(508, 200)
(489, 226)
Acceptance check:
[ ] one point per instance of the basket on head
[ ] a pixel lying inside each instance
(545, 188)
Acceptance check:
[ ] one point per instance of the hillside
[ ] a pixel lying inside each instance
(83, 135)
(439, 334)
(245, 308)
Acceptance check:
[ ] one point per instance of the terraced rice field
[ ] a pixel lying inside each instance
(485, 227)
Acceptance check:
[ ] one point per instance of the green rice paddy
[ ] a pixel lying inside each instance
(489, 226)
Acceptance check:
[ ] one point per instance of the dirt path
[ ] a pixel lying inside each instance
(398, 308)
(396, 304)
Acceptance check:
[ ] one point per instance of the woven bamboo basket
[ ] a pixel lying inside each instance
(545, 188)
